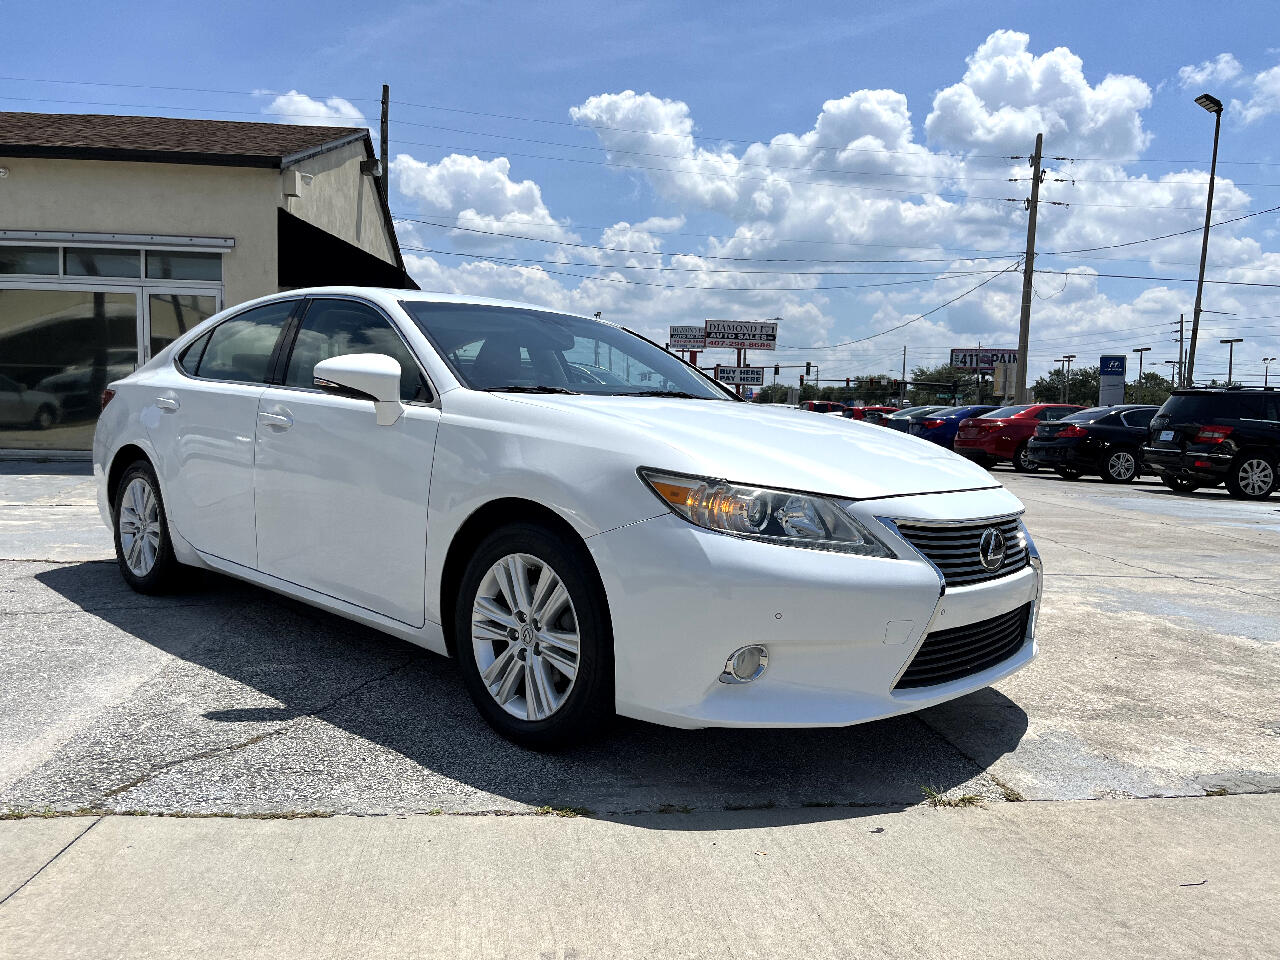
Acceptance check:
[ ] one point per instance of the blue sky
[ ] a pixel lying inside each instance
(734, 74)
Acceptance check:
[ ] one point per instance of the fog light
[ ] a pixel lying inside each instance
(745, 664)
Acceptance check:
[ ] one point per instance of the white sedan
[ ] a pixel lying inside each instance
(585, 522)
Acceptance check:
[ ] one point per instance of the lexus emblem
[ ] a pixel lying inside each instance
(991, 549)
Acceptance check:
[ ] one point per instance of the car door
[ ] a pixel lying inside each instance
(201, 422)
(342, 501)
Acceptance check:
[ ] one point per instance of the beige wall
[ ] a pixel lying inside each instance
(343, 201)
(174, 199)
(104, 196)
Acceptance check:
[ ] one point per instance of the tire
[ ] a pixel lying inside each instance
(1253, 476)
(1178, 484)
(45, 418)
(490, 630)
(1066, 473)
(1022, 461)
(143, 550)
(1120, 466)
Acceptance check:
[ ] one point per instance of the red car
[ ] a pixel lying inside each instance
(1003, 434)
(870, 414)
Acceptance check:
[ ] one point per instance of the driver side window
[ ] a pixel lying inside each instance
(332, 328)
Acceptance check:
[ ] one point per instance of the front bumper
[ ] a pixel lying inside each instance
(839, 629)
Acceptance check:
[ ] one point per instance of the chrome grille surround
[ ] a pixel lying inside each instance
(953, 547)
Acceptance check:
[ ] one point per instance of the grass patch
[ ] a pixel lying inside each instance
(562, 811)
(1216, 792)
(936, 798)
(675, 808)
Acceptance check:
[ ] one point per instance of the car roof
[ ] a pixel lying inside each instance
(427, 296)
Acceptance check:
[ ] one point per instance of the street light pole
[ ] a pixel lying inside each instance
(1214, 106)
(1231, 353)
(1138, 383)
(1266, 370)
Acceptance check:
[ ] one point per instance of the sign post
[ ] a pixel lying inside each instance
(1111, 371)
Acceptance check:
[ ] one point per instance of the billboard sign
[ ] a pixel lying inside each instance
(1111, 371)
(982, 360)
(687, 337)
(742, 335)
(741, 376)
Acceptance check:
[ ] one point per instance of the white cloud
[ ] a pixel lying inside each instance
(859, 185)
(1264, 99)
(298, 108)
(479, 197)
(1221, 69)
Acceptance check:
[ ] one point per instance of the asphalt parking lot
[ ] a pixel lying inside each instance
(1157, 678)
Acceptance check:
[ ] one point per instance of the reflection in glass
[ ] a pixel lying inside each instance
(175, 265)
(102, 262)
(41, 260)
(173, 314)
(58, 351)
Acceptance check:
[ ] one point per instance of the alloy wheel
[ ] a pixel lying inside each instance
(139, 524)
(524, 636)
(1256, 477)
(1122, 465)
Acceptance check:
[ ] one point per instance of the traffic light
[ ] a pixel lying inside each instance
(776, 369)
(846, 381)
(808, 368)
(802, 379)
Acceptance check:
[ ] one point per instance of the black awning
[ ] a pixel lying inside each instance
(311, 257)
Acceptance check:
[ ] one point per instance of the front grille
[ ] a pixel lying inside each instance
(953, 548)
(948, 655)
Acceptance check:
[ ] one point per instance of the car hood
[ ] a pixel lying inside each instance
(753, 444)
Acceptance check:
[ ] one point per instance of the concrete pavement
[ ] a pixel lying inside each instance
(1105, 879)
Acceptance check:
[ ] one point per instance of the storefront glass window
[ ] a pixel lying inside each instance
(173, 265)
(58, 351)
(37, 260)
(173, 314)
(102, 262)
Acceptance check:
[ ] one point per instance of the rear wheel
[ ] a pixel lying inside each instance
(1022, 461)
(45, 417)
(1066, 473)
(533, 641)
(143, 549)
(1252, 477)
(1121, 466)
(1179, 484)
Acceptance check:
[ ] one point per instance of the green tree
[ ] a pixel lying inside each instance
(1083, 388)
(773, 393)
(921, 394)
(1150, 388)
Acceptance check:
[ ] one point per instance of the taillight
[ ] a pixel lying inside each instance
(1071, 430)
(1213, 434)
(931, 424)
(106, 397)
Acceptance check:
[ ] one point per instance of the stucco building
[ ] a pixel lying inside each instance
(118, 233)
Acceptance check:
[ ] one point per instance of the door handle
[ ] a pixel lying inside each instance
(280, 421)
(168, 404)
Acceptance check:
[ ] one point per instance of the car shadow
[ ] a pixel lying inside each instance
(414, 734)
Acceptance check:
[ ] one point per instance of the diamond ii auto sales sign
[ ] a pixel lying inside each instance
(687, 337)
(742, 335)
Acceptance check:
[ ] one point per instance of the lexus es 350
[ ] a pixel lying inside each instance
(587, 524)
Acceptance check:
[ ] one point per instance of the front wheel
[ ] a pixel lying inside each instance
(1252, 477)
(1022, 461)
(143, 549)
(1121, 466)
(533, 641)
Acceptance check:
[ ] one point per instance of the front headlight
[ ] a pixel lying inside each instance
(756, 513)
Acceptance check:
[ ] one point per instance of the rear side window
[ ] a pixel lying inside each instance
(1086, 416)
(1053, 413)
(1199, 407)
(1138, 418)
(240, 348)
(332, 328)
(189, 359)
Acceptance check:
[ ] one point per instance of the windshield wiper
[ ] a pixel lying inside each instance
(678, 394)
(540, 388)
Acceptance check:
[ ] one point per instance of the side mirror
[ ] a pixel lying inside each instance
(373, 376)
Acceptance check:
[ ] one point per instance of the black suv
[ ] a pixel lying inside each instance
(1102, 440)
(1205, 436)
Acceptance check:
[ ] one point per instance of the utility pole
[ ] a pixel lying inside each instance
(1137, 386)
(1028, 271)
(1182, 330)
(382, 179)
(1214, 106)
(903, 398)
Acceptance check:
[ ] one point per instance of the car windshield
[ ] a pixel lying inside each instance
(1005, 412)
(944, 412)
(521, 350)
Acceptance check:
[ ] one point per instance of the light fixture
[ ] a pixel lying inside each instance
(1209, 102)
